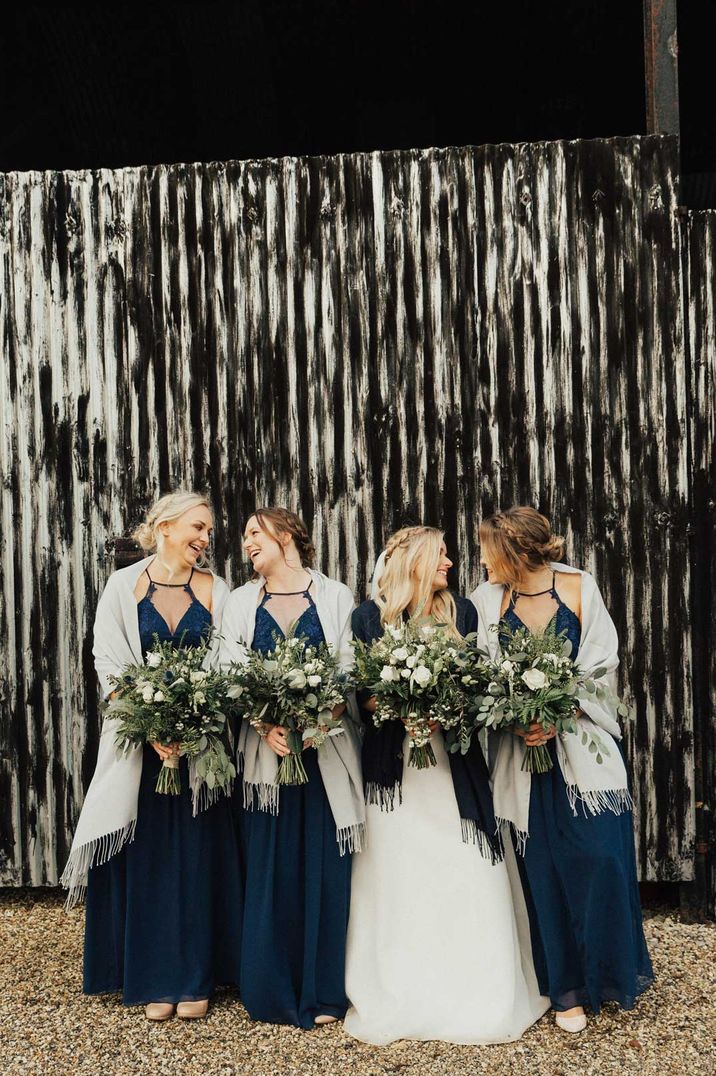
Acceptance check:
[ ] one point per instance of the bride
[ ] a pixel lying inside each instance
(438, 937)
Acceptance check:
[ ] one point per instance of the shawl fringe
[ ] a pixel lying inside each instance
(264, 796)
(616, 800)
(92, 854)
(351, 838)
(490, 846)
(518, 835)
(205, 797)
(383, 796)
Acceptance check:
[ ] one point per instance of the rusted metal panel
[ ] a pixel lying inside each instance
(661, 67)
(372, 339)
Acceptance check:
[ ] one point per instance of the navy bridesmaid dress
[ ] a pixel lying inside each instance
(297, 888)
(163, 920)
(579, 877)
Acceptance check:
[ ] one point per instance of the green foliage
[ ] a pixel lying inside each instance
(173, 698)
(296, 686)
(418, 672)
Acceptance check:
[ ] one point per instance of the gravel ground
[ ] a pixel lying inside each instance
(48, 1028)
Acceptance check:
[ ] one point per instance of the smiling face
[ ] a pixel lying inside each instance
(183, 540)
(492, 567)
(264, 550)
(439, 579)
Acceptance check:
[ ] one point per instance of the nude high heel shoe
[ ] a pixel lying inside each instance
(325, 1019)
(158, 1010)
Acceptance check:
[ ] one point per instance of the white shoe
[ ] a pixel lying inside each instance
(571, 1023)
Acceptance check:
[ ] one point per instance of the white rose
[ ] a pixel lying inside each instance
(199, 697)
(400, 654)
(422, 675)
(154, 660)
(534, 678)
(297, 680)
(411, 661)
(314, 681)
(405, 673)
(386, 673)
(507, 666)
(198, 676)
(159, 696)
(148, 694)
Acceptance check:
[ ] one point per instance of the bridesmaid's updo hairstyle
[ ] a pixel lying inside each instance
(412, 556)
(280, 521)
(166, 510)
(517, 539)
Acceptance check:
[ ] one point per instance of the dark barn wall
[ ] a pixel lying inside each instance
(699, 248)
(371, 339)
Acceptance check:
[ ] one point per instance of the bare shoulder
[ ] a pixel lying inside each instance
(569, 588)
(203, 585)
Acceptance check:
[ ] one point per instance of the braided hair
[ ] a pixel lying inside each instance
(520, 539)
(412, 555)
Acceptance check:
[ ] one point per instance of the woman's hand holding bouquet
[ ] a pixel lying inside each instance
(175, 702)
(414, 671)
(294, 696)
(532, 689)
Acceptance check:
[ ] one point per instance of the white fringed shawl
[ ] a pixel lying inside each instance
(598, 787)
(339, 757)
(109, 813)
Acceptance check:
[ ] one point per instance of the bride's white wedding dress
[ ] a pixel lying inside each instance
(438, 937)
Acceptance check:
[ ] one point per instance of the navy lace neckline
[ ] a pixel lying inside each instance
(565, 621)
(267, 630)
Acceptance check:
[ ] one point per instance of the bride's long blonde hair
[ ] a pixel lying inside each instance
(414, 549)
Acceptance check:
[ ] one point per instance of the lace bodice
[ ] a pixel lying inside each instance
(563, 619)
(173, 613)
(278, 614)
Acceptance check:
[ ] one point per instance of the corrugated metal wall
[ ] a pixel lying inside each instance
(372, 339)
(699, 247)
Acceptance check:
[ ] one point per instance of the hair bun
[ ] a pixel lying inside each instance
(554, 548)
(144, 537)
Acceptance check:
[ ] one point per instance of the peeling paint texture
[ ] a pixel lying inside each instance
(372, 339)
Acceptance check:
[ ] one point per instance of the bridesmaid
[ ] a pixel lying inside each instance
(164, 885)
(436, 949)
(298, 839)
(573, 823)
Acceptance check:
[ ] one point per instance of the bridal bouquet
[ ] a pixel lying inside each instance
(535, 681)
(296, 686)
(174, 699)
(416, 673)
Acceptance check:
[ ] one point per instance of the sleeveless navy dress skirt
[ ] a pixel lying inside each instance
(579, 877)
(163, 919)
(297, 889)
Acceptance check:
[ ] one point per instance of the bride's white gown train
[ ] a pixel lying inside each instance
(438, 937)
